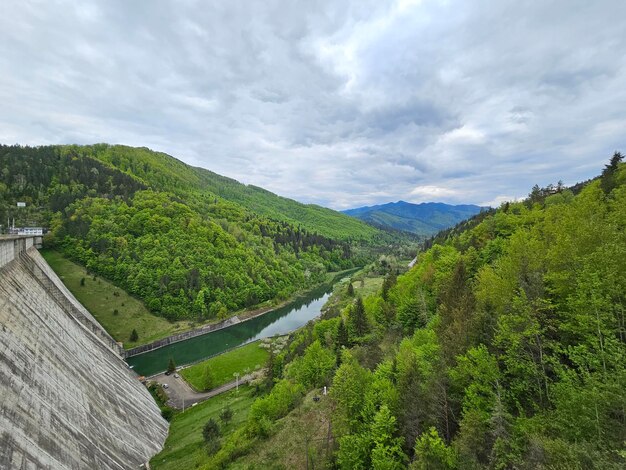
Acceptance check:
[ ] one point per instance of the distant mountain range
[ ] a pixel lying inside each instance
(423, 219)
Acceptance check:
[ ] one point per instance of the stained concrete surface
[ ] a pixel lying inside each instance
(67, 399)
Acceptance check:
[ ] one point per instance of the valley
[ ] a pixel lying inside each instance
(474, 354)
(291, 235)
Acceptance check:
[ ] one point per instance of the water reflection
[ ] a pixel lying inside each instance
(280, 321)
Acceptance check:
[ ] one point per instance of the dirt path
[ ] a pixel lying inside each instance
(181, 395)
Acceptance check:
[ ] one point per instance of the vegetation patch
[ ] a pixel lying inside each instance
(219, 370)
(119, 313)
(302, 434)
(186, 446)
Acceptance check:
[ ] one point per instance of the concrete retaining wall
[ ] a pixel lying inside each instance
(67, 399)
(12, 245)
(182, 336)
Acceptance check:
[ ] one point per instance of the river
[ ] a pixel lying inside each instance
(280, 321)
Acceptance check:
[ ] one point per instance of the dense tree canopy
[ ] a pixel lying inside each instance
(190, 243)
(504, 347)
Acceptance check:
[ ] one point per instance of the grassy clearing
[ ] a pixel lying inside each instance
(103, 300)
(368, 286)
(287, 448)
(184, 447)
(219, 370)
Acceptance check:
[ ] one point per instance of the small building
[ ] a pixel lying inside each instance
(30, 231)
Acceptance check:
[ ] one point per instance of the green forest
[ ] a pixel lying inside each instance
(191, 244)
(504, 347)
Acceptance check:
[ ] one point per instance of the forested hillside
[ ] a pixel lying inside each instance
(423, 219)
(504, 347)
(66, 173)
(171, 234)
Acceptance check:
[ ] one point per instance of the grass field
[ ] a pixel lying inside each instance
(371, 285)
(302, 431)
(221, 368)
(103, 299)
(184, 447)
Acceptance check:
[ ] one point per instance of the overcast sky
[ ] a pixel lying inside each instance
(341, 103)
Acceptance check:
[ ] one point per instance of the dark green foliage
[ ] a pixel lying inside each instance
(161, 399)
(226, 415)
(82, 282)
(388, 283)
(350, 289)
(211, 434)
(171, 365)
(167, 413)
(608, 180)
(189, 243)
(134, 336)
(211, 431)
(342, 336)
(358, 319)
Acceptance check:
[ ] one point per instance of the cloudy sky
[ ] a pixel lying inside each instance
(341, 103)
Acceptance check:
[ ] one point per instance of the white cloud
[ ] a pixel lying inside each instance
(339, 103)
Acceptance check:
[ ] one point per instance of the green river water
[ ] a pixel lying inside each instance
(276, 322)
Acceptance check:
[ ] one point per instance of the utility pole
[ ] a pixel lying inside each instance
(236, 374)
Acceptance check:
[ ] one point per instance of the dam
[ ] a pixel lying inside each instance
(67, 398)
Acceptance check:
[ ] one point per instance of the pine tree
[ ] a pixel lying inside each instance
(358, 318)
(607, 180)
(134, 336)
(171, 366)
(388, 283)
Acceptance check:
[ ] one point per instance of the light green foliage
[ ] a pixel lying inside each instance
(375, 446)
(518, 357)
(419, 383)
(283, 398)
(326, 331)
(387, 450)
(432, 453)
(189, 243)
(219, 370)
(349, 384)
(314, 367)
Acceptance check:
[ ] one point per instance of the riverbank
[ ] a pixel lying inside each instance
(276, 322)
(234, 320)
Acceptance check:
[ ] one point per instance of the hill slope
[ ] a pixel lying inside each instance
(504, 347)
(164, 172)
(423, 219)
(190, 243)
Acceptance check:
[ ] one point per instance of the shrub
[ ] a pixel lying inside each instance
(211, 434)
(167, 413)
(226, 415)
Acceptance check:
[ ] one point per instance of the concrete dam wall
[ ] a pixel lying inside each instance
(67, 399)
